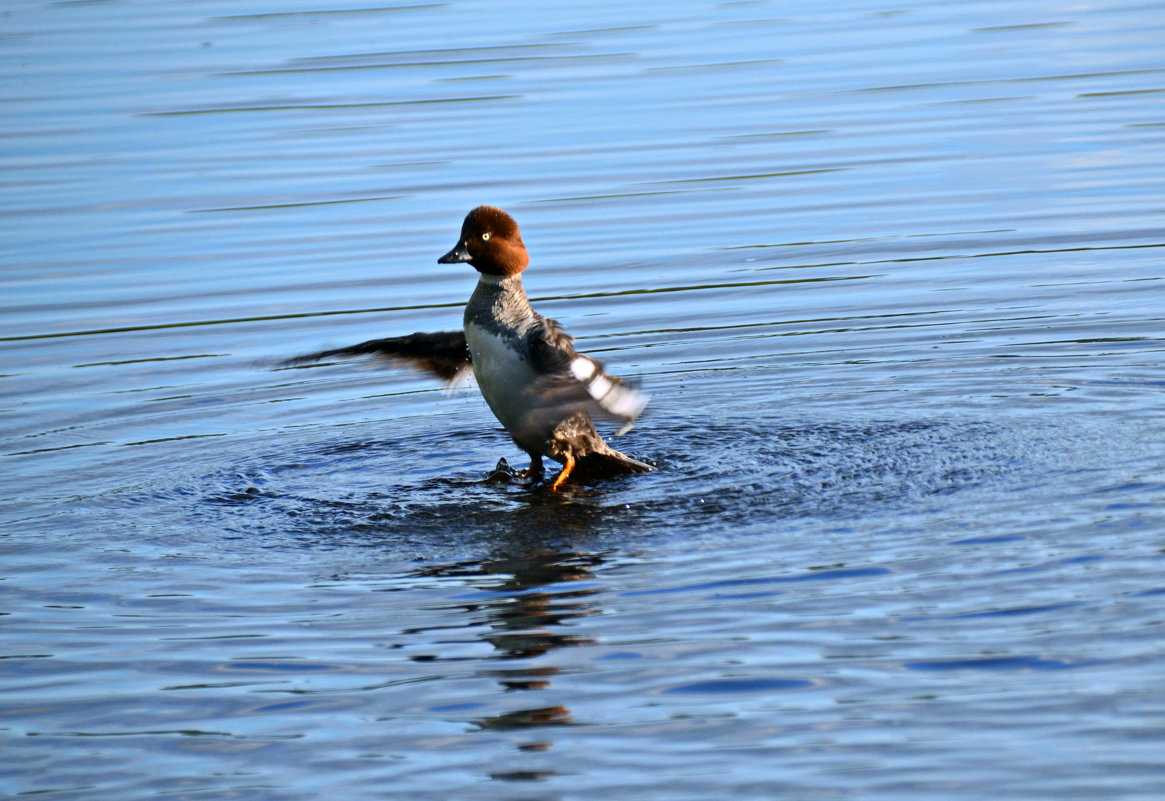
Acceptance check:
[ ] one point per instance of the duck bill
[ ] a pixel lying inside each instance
(459, 254)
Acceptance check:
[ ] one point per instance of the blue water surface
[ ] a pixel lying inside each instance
(893, 279)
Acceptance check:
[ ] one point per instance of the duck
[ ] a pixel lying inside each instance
(540, 388)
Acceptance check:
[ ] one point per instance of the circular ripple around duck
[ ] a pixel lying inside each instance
(428, 493)
(421, 495)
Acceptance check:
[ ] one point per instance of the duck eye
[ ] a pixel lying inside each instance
(485, 237)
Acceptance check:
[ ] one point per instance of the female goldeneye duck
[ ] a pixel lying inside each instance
(540, 388)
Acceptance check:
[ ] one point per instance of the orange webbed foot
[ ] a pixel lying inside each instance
(562, 476)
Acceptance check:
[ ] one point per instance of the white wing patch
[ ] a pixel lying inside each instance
(582, 368)
(616, 398)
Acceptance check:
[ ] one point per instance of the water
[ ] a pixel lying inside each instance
(892, 276)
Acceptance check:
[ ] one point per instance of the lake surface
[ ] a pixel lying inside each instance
(892, 275)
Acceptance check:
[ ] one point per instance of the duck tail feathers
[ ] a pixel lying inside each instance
(603, 464)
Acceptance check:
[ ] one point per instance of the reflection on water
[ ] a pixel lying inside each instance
(516, 609)
(523, 604)
(892, 277)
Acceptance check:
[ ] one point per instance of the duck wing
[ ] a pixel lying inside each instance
(575, 382)
(443, 354)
